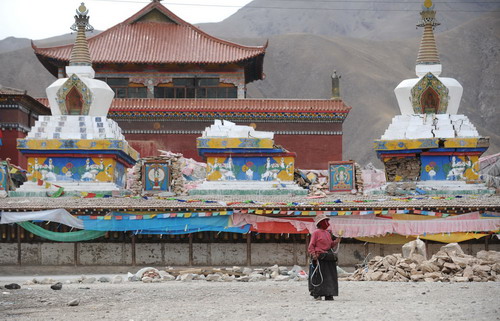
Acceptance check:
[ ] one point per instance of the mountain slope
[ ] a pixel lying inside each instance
(299, 65)
(377, 20)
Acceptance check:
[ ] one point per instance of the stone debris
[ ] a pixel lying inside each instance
(87, 280)
(449, 264)
(117, 279)
(57, 286)
(74, 302)
(239, 274)
(12, 286)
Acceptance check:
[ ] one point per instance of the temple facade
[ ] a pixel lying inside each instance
(171, 80)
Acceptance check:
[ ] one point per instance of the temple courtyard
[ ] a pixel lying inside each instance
(263, 300)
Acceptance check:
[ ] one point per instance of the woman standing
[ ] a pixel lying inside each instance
(323, 279)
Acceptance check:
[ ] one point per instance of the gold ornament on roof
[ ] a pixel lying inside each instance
(82, 10)
(428, 3)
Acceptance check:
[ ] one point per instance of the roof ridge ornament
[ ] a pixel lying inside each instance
(80, 55)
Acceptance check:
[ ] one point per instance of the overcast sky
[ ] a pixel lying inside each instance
(39, 19)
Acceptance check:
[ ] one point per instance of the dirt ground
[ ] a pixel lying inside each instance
(265, 300)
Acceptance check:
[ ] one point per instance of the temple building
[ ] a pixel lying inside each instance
(172, 80)
(18, 112)
(430, 141)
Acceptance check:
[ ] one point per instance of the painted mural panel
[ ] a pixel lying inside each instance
(451, 168)
(234, 142)
(341, 176)
(82, 169)
(250, 168)
(3, 177)
(156, 177)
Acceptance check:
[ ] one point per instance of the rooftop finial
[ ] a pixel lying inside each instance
(428, 54)
(335, 86)
(80, 55)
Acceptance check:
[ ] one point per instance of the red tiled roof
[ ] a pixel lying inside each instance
(236, 105)
(172, 41)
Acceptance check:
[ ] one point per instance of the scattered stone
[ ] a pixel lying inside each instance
(282, 278)
(12, 286)
(244, 278)
(213, 277)
(117, 279)
(56, 286)
(255, 277)
(74, 303)
(168, 277)
(142, 271)
(147, 279)
(187, 277)
(104, 279)
(88, 280)
(46, 281)
(247, 271)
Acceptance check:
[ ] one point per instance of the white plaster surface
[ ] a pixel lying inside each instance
(8, 253)
(270, 253)
(403, 94)
(57, 253)
(422, 69)
(75, 127)
(30, 253)
(225, 128)
(201, 254)
(429, 126)
(148, 253)
(102, 94)
(176, 253)
(229, 253)
(104, 253)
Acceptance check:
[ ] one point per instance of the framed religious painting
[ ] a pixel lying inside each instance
(156, 177)
(341, 176)
(4, 177)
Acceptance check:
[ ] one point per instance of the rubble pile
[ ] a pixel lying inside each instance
(236, 273)
(449, 264)
(406, 169)
(359, 178)
(175, 163)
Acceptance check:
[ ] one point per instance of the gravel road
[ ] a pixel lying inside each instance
(266, 300)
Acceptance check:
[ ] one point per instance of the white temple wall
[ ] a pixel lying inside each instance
(204, 254)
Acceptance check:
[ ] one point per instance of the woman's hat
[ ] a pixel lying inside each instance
(319, 218)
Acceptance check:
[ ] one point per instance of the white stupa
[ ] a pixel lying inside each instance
(77, 148)
(429, 103)
(430, 141)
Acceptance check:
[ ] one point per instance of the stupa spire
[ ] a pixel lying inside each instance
(80, 55)
(428, 53)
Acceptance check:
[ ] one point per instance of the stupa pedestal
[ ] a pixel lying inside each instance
(242, 161)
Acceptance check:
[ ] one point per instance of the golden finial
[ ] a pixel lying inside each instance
(82, 9)
(428, 3)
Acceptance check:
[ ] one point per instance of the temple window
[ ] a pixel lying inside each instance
(124, 89)
(195, 88)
